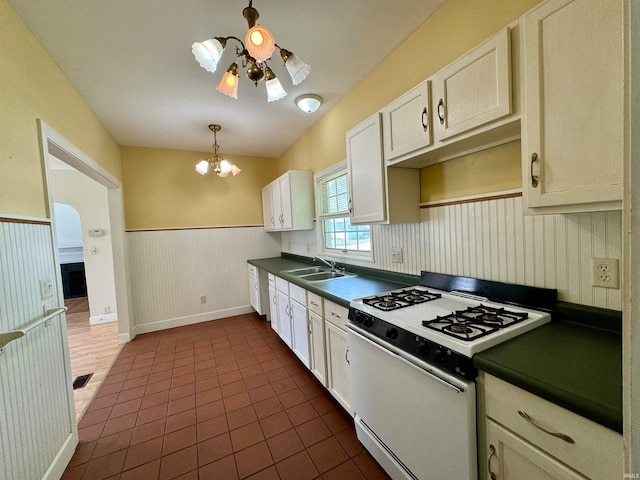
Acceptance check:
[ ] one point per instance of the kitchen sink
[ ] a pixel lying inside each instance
(306, 271)
(326, 275)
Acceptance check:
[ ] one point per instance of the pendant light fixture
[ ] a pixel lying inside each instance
(257, 48)
(216, 164)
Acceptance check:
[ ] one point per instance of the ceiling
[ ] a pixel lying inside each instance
(131, 61)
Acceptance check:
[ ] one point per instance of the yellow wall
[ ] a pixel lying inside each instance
(31, 87)
(455, 28)
(162, 189)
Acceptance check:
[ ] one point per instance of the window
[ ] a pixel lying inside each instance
(338, 236)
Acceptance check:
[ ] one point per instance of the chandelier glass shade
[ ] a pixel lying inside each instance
(216, 164)
(257, 48)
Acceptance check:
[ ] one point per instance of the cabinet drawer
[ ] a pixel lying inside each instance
(335, 313)
(282, 285)
(272, 280)
(597, 452)
(253, 270)
(314, 303)
(298, 294)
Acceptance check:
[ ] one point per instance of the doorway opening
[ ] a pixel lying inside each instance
(98, 322)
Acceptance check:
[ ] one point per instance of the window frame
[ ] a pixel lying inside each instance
(333, 172)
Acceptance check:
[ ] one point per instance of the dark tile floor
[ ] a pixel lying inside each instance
(219, 400)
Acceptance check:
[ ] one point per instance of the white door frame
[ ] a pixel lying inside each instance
(52, 143)
(631, 252)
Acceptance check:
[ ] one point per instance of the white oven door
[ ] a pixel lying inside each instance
(416, 420)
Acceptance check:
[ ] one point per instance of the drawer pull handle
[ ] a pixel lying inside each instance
(561, 436)
(346, 356)
(492, 449)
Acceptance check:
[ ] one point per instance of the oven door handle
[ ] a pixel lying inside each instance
(426, 373)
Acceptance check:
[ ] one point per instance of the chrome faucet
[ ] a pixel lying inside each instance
(330, 263)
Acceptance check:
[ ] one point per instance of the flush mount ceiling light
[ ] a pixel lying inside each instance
(216, 164)
(309, 103)
(257, 48)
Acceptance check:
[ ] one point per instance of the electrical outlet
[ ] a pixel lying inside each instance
(606, 272)
(308, 248)
(396, 255)
(203, 299)
(107, 309)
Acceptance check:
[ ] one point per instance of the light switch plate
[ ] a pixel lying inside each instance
(396, 255)
(46, 288)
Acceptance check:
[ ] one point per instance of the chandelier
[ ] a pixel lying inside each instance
(216, 163)
(257, 48)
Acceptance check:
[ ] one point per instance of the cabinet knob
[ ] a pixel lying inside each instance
(441, 111)
(534, 178)
(425, 119)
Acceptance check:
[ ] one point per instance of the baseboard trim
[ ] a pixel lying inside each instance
(62, 459)
(124, 338)
(106, 318)
(191, 319)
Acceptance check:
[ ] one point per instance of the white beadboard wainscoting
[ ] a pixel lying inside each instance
(38, 432)
(493, 240)
(172, 269)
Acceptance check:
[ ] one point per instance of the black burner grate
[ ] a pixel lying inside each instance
(475, 322)
(400, 299)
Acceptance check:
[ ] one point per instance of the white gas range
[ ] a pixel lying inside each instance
(410, 350)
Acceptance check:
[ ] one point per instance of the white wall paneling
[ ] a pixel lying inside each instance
(491, 239)
(172, 269)
(38, 432)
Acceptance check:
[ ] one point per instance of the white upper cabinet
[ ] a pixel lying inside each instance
(475, 89)
(407, 122)
(287, 202)
(268, 214)
(365, 169)
(470, 105)
(573, 106)
(378, 194)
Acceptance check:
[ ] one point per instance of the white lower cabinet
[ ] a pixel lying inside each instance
(529, 437)
(284, 317)
(299, 323)
(337, 350)
(512, 458)
(317, 355)
(273, 308)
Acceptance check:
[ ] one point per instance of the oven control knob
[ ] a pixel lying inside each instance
(423, 348)
(392, 333)
(440, 356)
(358, 317)
(368, 321)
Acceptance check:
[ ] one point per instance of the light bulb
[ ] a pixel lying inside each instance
(202, 167)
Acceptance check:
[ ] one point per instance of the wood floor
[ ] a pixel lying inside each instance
(93, 349)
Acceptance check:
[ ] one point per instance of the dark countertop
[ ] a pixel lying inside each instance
(368, 281)
(569, 362)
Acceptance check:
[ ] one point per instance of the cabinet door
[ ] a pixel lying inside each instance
(338, 376)
(365, 168)
(273, 308)
(285, 202)
(300, 331)
(276, 201)
(509, 457)
(267, 208)
(254, 292)
(406, 122)
(284, 317)
(316, 343)
(573, 135)
(475, 89)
